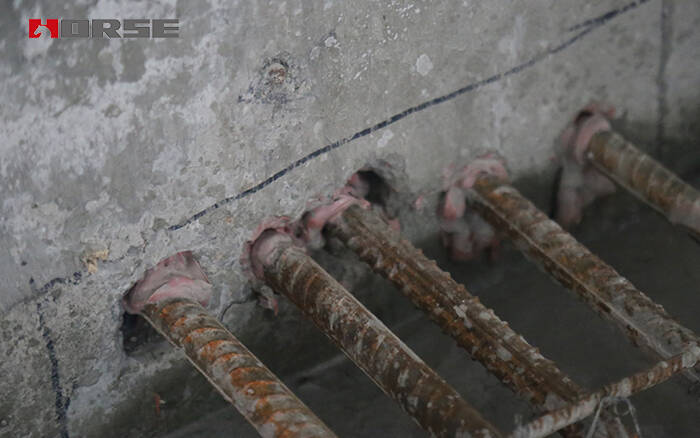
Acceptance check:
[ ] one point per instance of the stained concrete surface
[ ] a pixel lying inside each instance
(114, 147)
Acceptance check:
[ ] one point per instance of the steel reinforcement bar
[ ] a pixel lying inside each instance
(560, 418)
(646, 178)
(544, 242)
(461, 315)
(169, 297)
(403, 376)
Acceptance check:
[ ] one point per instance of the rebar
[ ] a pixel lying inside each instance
(646, 178)
(402, 375)
(458, 313)
(560, 418)
(569, 262)
(272, 409)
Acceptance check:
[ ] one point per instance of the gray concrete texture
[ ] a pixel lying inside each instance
(112, 148)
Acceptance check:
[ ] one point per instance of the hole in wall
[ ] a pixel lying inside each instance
(371, 184)
(386, 184)
(378, 190)
(137, 334)
(178, 276)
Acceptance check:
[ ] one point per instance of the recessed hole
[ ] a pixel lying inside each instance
(137, 333)
(581, 116)
(378, 191)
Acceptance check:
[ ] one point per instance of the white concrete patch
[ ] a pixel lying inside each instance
(424, 64)
(388, 135)
(331, 42)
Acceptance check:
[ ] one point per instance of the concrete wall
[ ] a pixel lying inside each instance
(125, 148)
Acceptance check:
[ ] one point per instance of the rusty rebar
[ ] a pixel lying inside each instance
(543, 241)
(560, 418)
(403, 376)
(461, 315)
(473, 326)
(226, 363)
(646, 178)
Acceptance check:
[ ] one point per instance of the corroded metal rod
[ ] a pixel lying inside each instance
(420, 392)
(461, 315)
(560, 418)
(646, 178)
(168, 299)
(543, 241)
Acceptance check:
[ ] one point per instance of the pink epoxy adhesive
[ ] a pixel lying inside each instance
(182, 287)
(580, 182)
(263, 250)
(282, 224)
(316, 219)
(176, 276)
(462, 231)
(307, 230)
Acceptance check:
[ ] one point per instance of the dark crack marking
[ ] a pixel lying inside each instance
(73, 280)
(61, 403)
(587, 26)
(600, 19)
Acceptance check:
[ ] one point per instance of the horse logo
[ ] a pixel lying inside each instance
(38, 28)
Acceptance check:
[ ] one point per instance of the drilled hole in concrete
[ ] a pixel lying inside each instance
(137, 333)
(376, 188)
(375, 185)
(179, 277)
(276, 70)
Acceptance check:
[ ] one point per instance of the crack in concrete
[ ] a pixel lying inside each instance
(607, 16)
(61, 402)
(73, 279)
(587, 26)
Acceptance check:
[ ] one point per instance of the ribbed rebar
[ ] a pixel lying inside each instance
(474, 327)
(234, 371)
(164, 297)
(646, 323)
(403, 376)
(646, 178)
(560, 418)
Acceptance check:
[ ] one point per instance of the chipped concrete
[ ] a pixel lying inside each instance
(145, 148)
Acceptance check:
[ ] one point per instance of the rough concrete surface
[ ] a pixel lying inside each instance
(118, 153)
